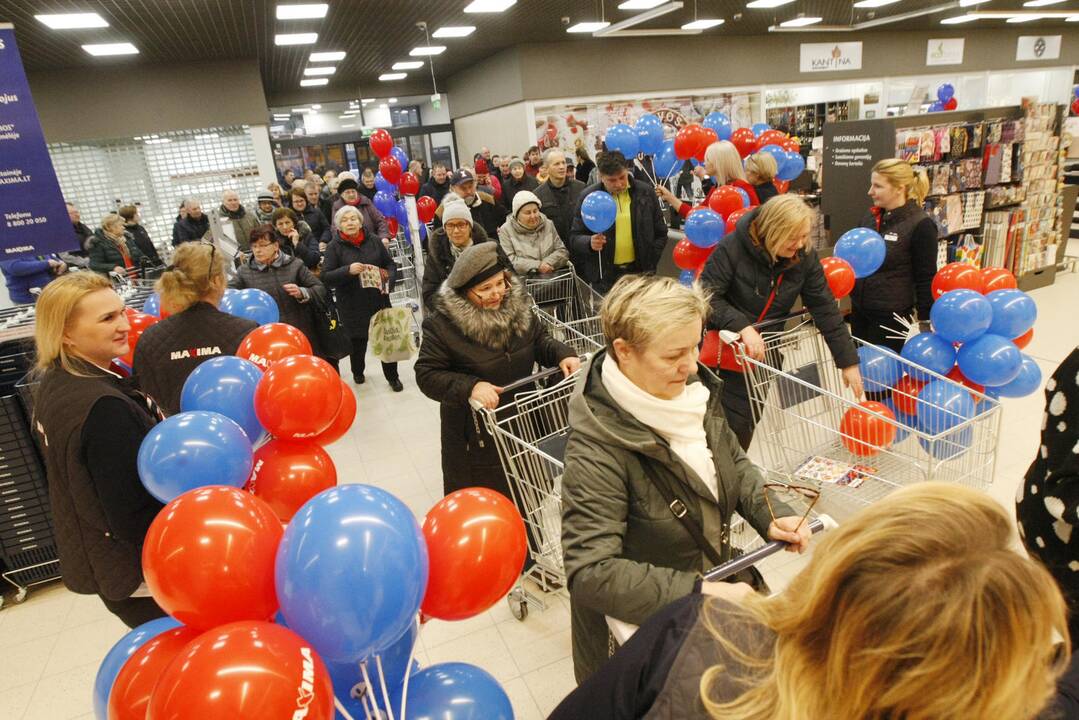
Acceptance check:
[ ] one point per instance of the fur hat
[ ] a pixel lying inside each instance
(347, 184)
(474, 265)
(522, 198)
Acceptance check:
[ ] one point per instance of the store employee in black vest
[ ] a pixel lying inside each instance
(196, 331)
(903, 283)
(91, 422)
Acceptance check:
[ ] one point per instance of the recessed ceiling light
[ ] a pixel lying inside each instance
(640, 4)
(452, 31)
(427, 50)
(958, 19)
(702, 24)
(295, 39)
(321, 70)
(801, 22)
(392, 76)
(1041, 3)
(306, 11)
(874, 3)
(489, 6)
(408, 65)
(72, 21)
(332, 56)
(313, 82)
(767, 3)
(111, 49)
(587, 27)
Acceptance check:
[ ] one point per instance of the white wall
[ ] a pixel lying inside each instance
(504, 130)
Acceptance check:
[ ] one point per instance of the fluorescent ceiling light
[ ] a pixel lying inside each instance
(424, 50)
(489, 6)
(756, 4)
(306, 11)
(969, 3)
(702, 24)
(640, 4)
(454, 31)
(408, 65)
(125, 48)
(332, 56)
(1073, 18)
(958, 19)
(1041, 3)
(587, 27)
(1043, 15)
(1023, 18)
(314, 82)
(801, 22)
(874, 3)
(295, 39)
(392, 76)
(321, 70)
(72, 21)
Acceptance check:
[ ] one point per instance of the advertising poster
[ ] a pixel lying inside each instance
(34, 219)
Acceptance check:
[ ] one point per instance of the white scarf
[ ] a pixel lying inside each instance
(679, 421)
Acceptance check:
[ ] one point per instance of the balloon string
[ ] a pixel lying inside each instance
(371, 691)
(408, 671)
(341, 709)
(367, 707)
(385, 691)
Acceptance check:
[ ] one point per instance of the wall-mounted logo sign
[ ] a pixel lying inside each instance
(1037, 47)
(944, 51)
(671, 117)
(830, 57)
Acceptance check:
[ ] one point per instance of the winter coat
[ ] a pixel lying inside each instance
(440, 260)
(584, 171)
(105, 255)
(306, 250)
(188, 229)
(741, 276)
(512, 186)
(462, 345)
(320, 226)
(299, 313)
(242, 222)
(626, 555)
(905, 279)
(146, 245)
(374, 222)
(171, 349)
(766, 191)
(356, 304)
(435, 190)
(23, 274)
(485, 211)
(526, 249)
(559, 204)
(649, 234)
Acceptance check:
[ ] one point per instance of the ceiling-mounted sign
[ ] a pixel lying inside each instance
(830, 57)
(1037, 47)
(944, 51)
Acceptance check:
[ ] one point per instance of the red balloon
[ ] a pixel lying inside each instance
(745, 141)
(997, 278)
(708, 136)
(139, 321)
(956, 374)
(425, 208)
(288, 473)
(725, 199)
(782, 185)
(271, 342)
(245, 671)
(1023, 340)
(298, 397)
(734, 217)
(954, 276)
(134, 684)
(390, 169)
(409, 184)
(346, 415)
(381, 143)
(1075, 106)
(687, 141)
(839, 274)
(771, 137)
(791, 145)
(865, 434)
(477, 534)
(709, 354)
(688, 256)
(392, 226)
(951, 104)
(905, 394)
(208, 557)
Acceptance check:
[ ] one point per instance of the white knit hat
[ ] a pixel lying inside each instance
(454, 208)
(522, 198)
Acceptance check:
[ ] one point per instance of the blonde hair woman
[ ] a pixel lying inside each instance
(113, 250)
(724, 165)
(653, 472)
(760, 173)
(91, 425)
(918, 607)
(903, 284)
(755, 275)
(191, 289)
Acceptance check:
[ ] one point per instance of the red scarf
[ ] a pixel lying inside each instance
(353, 239)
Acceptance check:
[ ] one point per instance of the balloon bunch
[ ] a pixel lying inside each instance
(945, 99)
(393, 180)
(1075, 100)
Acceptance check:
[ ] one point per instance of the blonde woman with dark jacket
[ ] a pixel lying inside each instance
(530, 239)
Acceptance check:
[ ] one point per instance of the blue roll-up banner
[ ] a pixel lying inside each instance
(33, 217)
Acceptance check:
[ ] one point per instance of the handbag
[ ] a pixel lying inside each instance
(390, 334)
(727, 359)
(332, 335)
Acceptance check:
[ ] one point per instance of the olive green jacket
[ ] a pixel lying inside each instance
(626, 554)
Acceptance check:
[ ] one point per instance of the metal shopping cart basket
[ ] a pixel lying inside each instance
(135, 285)
(799, 403)
(406, 292)
(569, 308)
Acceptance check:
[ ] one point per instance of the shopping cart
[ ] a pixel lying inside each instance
(406, 291)
(798, 402)
(569, 308)
(135, 286)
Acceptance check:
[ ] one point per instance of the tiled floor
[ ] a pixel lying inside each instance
(51, 645)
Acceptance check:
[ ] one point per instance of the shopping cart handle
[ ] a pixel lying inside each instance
(534, 378)
(821, 522)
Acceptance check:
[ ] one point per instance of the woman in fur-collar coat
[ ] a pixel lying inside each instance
(481, 337)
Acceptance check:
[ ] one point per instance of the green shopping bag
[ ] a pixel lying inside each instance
(391, 336)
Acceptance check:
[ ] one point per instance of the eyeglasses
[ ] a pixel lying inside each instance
(262, 245)
(458, 227)
(791, 494)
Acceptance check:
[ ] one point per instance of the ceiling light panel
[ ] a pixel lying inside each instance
(640, 4)
(101, 49)
(801, 22)
(333, 56)
(969, 3)
(314, 82)
(958, 19)
(408, 65)
(874, 3)
(72, 21)
(306, 11)
(702, 24)
(1041, 3)
(296, 39)
(587, 27)
(425, 50)
(758, 4)
(489, 6)
(454, 31)
(323, 70)
(385, 77)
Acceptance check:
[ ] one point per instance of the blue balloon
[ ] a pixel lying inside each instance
(347, 676)
(945, 92)
(384, 185)
(863, 248)
(943, 404)
(793, 166)
(936, 107)
(686, 277)
(193, 450)
(961, 315)
(1026, 382)
(880, 367)
(1075, 91)
(152, 306)
(666, 163)
(457, 691)
(385, 203)
(622, 138)
(598, 211)
(704, 228)
(930, 351)
(402, 157)
(253, 304)
(990, 360)
(776, 152)
(225, 385)
(904, 422)
(951, 445)
(229, 293)
(649, 134)
(351, 571)
(1014, 312)
(119, 654)
(719, 123)
(759, 128)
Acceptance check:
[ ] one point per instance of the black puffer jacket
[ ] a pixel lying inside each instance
(189, 229)
(306, 249)
(273, 277)
(511, 186)
(320, 226)
(462, 345)
(146, 245)
(356, 304)
(435, 190)
(440, 261)
(905, 279)
(559, 204)
(741, 276)
(649, 234)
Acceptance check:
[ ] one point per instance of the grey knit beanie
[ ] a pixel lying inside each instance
(474, 265)
(454, 208)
